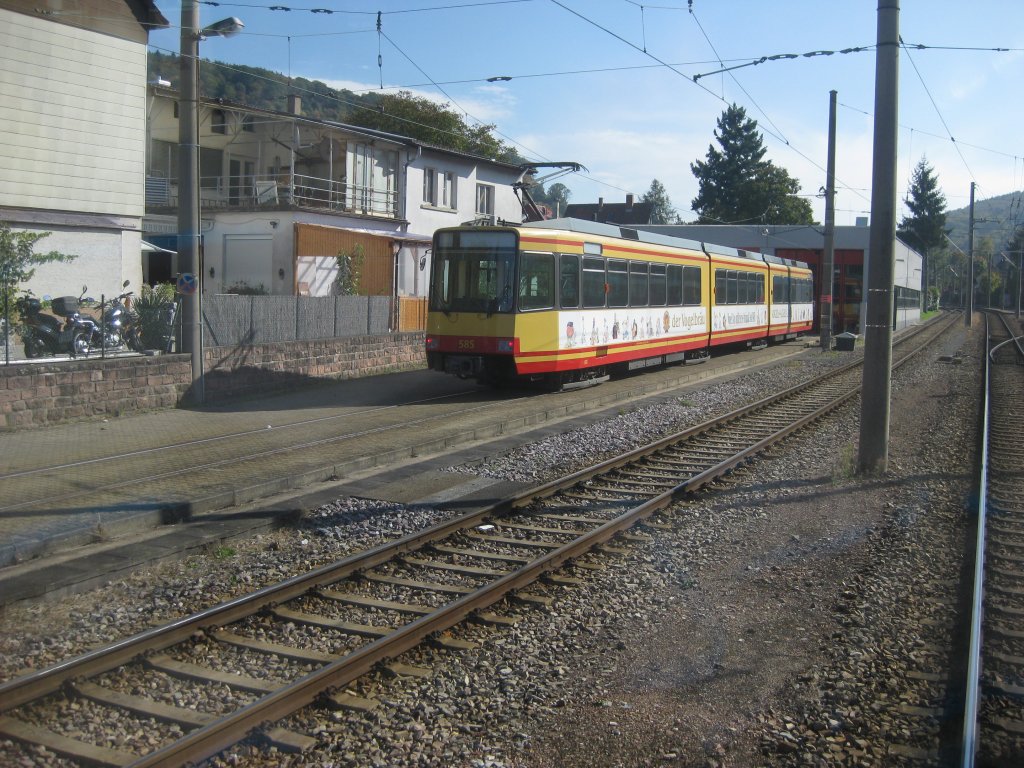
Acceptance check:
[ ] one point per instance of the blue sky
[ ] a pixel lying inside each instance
(609, 83)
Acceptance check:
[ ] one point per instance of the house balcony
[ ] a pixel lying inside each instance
(280, 192)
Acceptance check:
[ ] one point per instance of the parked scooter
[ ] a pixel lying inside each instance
(40, 333)
(80, 335)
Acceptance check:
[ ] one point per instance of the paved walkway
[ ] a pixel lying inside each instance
(131, 530)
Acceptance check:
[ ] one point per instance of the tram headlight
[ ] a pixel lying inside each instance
(507, 346)
(433, 343)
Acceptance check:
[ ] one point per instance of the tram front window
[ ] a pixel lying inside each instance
(473, 272)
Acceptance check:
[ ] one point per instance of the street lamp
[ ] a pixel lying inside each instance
(188, 182)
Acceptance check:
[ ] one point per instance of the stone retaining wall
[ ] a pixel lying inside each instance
(39, 394)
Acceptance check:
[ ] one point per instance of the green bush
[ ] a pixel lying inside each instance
(152, 315)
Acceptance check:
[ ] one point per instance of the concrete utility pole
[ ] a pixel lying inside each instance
(188, 192)
(827, 266)
(970, 261)
(877, 383)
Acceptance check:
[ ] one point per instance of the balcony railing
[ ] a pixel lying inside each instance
(275, 192)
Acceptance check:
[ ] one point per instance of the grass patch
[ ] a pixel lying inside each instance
(845, 467)
(223, 553)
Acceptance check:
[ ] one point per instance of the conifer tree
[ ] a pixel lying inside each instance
(736, 185)
(662, 211)
(924, 229)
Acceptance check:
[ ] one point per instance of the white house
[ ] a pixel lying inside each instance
(282, 194)
(72, 158)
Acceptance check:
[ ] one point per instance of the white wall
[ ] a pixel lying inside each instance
(104, 260)
(424, 218)
(72, 107)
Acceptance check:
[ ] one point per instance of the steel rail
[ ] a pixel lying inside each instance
(215, 736)
(972, 683)
(208, 740)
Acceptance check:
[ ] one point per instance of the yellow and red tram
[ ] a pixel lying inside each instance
(568, 300)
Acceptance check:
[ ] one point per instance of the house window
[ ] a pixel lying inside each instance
(429, 184)
(372, 174)
(485, 199)
(218, 121)
(447, 182)
(248, 124)
(439, 188)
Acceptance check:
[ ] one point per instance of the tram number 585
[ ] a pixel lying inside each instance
(466, 344)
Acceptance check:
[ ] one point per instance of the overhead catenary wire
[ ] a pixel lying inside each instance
(937, 110)
(643, 7)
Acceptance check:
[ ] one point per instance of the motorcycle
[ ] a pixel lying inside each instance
(119, 323)
(80, 335)
(40, 333)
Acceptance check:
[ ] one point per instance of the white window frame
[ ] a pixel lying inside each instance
(439, 188)
(429, 185)
(485, 199)
(447, 183)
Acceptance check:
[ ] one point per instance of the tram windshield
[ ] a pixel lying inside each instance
(473, 271)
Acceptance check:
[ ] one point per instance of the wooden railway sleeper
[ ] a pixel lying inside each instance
(575, 519)
(644, 480)
(681, 467)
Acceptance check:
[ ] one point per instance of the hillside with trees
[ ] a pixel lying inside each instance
(995, 217)
(403, 113)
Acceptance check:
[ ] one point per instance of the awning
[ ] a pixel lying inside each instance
(402, 237)
(150, 248)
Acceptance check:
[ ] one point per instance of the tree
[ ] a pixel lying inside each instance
(558, 197)
(662, 211)
(419, 118)
(1015, 253)
(400, 113)
(555, 197)
(18, 262)
(18, 259)
(736, 185)
(350, 270)
(924, 229)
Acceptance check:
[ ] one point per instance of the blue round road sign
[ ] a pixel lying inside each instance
(187, 284)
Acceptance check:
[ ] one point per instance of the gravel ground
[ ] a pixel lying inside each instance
(770, 623)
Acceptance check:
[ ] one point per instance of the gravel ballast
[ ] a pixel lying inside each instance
(770, 621)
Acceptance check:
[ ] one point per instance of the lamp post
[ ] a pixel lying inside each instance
(188, 181)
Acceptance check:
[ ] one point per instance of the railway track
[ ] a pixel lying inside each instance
(994, 721)
(258, 658)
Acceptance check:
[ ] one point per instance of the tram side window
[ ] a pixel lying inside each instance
(742, 295)
(799, 292)
(639, 289)
(593, 281)
(758, 289)
(657, 285)
(780, 289)
(721, 286)
(691, 286)
(732, 292)
(536, 281)
(618, 283)
(674, 278)
(568, 281)
(753, 283)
